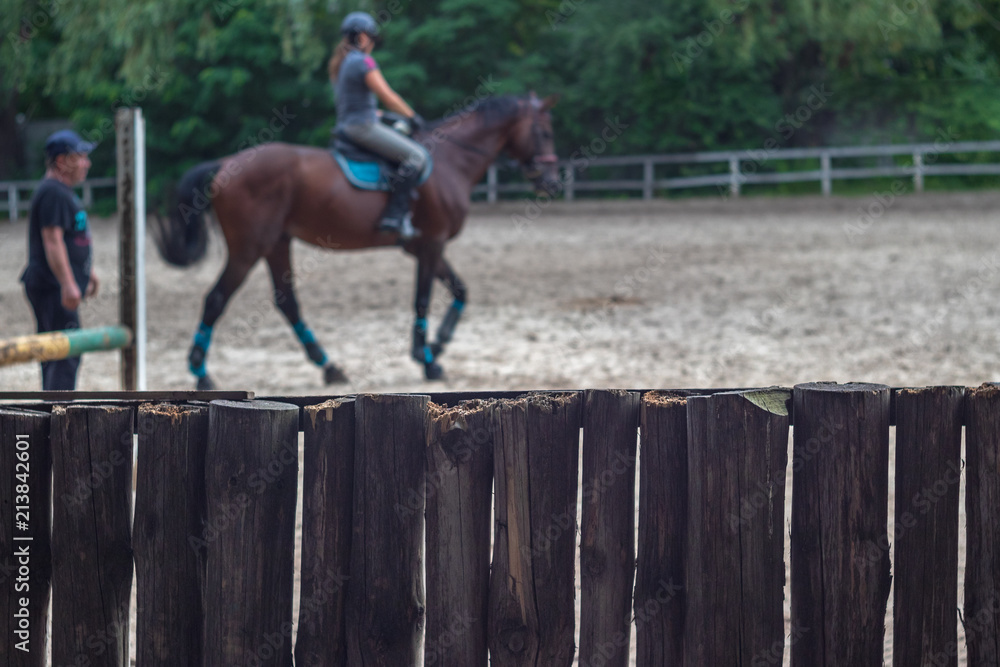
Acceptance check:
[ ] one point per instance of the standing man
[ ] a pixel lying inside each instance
(60, 272)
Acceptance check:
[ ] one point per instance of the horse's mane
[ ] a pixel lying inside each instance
(490, 109)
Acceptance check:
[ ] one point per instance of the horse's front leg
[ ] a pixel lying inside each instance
(446, 331)
(428, 259)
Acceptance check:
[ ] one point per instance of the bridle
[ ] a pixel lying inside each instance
(534, 169)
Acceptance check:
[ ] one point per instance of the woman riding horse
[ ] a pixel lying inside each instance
(264, 196)
(357, 80)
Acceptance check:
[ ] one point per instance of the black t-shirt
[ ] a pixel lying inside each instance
(54, 204)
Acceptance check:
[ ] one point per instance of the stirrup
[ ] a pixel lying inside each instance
(403, 227)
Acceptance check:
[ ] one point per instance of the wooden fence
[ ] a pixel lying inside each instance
(400, 561)
(16, 204)
(755, 167)
(739, 168)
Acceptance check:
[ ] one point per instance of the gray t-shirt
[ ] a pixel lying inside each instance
(356, 104)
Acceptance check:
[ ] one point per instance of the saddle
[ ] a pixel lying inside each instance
(366, 170)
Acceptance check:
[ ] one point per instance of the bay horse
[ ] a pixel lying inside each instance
(264, 196)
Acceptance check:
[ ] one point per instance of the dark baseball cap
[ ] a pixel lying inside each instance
(66, 141)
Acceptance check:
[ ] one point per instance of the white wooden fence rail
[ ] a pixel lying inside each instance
(743, 169)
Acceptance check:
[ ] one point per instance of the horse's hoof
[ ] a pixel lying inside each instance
(333, 375)
(433, 371)
(205, 383)
(437, 349)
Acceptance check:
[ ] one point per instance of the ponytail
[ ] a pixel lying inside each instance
(339, 53)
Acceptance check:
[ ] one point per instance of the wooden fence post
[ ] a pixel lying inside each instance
(25, 556)
(91, 534)
(648, 178)
(928, 472)
(251, 475)
(840, 493)
(491, 184)
(918, 175)
(532, 587)
(663, 488)
(982, 498)
(327, 512)
(13, 203)
(735, 177)
(385, 605)
(459, 498)
(737, 455)
(607, 526)
(168, 538)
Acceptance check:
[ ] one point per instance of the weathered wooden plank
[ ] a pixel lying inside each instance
(659, 598)
(536, 454)
(735, 572)
(840, 495)
(385, 602)
(982, 505)
(925, 553)
(607, 526)
(459, 498)
(168, 534)
(25, 554)
(251, 474)
(327, 513)
(91, 534)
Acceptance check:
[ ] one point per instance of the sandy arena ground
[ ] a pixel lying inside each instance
(665, 294)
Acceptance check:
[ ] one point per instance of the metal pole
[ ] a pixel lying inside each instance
(139, 126)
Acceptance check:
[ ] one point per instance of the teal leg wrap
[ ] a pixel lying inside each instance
(308, 340)
(199, 350)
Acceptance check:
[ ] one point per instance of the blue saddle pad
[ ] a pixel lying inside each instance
(371, 174)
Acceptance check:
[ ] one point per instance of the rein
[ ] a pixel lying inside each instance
(467, 146)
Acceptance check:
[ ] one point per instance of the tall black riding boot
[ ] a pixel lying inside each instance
(396, 218)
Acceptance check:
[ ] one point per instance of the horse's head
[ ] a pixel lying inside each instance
(531, 143)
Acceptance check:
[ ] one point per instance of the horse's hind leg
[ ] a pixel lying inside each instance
(215, 302)
(447, 275)
(280, 262)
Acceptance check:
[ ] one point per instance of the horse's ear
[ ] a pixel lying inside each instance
(550, 101)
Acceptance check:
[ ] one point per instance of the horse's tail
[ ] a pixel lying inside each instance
(182, 238)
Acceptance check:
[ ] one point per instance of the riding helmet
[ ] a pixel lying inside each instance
(356, 23)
